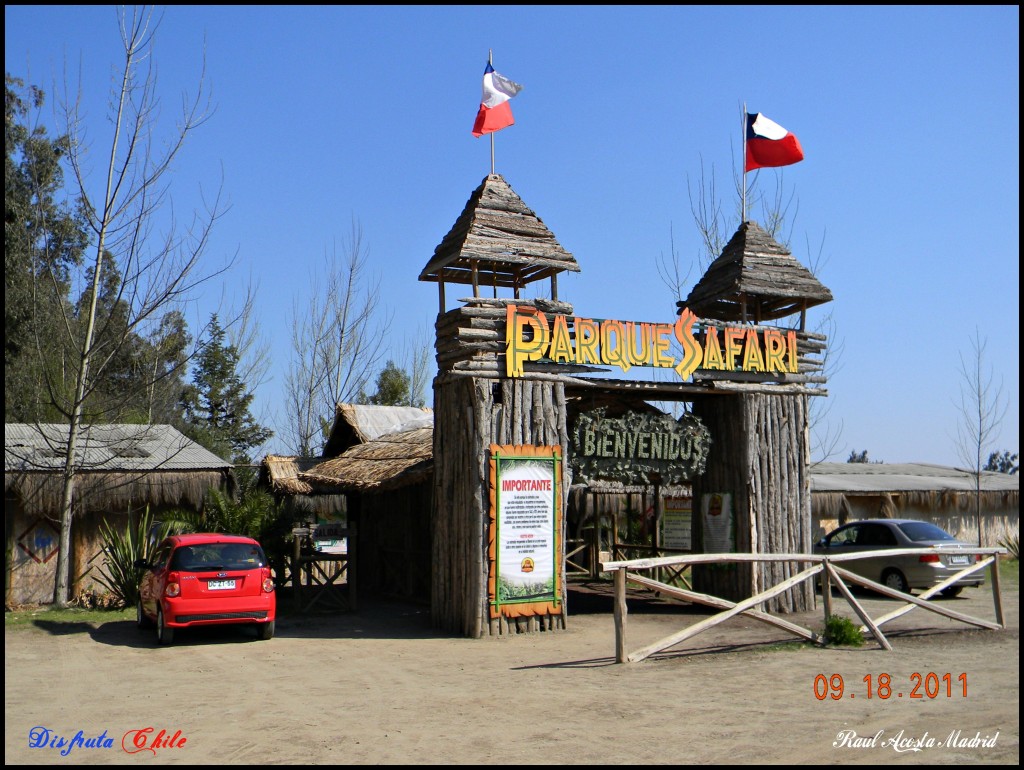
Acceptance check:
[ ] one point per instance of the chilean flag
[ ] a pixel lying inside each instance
(495, 111)
(769, 144)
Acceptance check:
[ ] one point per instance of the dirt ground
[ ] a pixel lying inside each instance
(381, 687)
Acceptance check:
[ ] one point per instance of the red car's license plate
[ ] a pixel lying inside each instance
(220, 585)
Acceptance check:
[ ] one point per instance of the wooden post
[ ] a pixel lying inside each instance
(595, 540)
(656, 535)
(997, 597)
(350, 565)
(297, 567)
(620, 615)
(826, 593)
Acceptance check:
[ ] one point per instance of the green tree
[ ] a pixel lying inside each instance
(392, 388)
(44, 237)
(1003, 462)
(217, 403)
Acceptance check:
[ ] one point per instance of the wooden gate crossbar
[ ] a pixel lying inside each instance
(822, 565)
(572, 567)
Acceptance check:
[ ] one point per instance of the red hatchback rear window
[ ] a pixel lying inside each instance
(207, 557)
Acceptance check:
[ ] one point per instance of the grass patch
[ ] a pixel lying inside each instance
(1009, 569)
(26, 617)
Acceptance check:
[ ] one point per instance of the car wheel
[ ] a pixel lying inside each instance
(952, 591)
(266, 631)
(141, 619)
(893, 578)
(164, 634)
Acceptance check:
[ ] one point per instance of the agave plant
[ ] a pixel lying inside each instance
(1012, 544)
(121, 549)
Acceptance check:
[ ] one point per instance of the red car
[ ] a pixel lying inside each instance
(203, 580)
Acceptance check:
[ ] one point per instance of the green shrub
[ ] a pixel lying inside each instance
(842, 632)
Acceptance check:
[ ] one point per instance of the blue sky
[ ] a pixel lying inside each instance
(908, 116)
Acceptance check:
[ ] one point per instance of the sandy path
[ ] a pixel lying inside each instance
(382, 687)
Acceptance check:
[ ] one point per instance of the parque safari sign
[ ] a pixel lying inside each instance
(531, 336)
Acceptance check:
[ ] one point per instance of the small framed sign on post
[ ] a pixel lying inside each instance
(525, 544)
(716, 508)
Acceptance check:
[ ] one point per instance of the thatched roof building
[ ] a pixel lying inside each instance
(359, 423)
(280, 474)
(755, 279)
(118, 466)
(843, 492)
(121, 470)
(391, 461)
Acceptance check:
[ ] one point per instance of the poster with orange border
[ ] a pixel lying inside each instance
(524, 542)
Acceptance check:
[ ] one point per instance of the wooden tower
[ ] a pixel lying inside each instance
(496, 244)
(760, 452)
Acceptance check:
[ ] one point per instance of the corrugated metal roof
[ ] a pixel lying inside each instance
(869, 478)
(105, 448)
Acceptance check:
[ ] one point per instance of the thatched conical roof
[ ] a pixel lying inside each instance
(503, 239)
(755, 279)
(390, 461)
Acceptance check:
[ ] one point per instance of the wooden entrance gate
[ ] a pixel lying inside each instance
(325, 579)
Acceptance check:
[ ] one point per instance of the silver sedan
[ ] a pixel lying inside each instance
(908, 571)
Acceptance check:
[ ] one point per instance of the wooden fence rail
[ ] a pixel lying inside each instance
(825, 568)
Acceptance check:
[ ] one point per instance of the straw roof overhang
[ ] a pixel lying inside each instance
(359, 423)
(497, 241)
(755, 279)
(280, 474)
(391, 461)
(117, 466)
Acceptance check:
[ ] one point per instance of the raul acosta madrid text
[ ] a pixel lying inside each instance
(901, 741)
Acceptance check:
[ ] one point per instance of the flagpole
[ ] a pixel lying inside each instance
(743, 166)
(490, 61)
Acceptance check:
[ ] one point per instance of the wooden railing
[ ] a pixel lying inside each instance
(824, 567)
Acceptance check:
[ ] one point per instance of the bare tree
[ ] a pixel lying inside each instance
(337, 342)
(982, 408)
(141, 272)
(415, 359)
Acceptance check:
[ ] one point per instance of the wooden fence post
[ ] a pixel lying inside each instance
(620, 615)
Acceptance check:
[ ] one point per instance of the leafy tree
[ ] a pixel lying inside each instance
(858, 457)
(392, 388)
(1002, 462)
(44, 237)
(217, 403)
